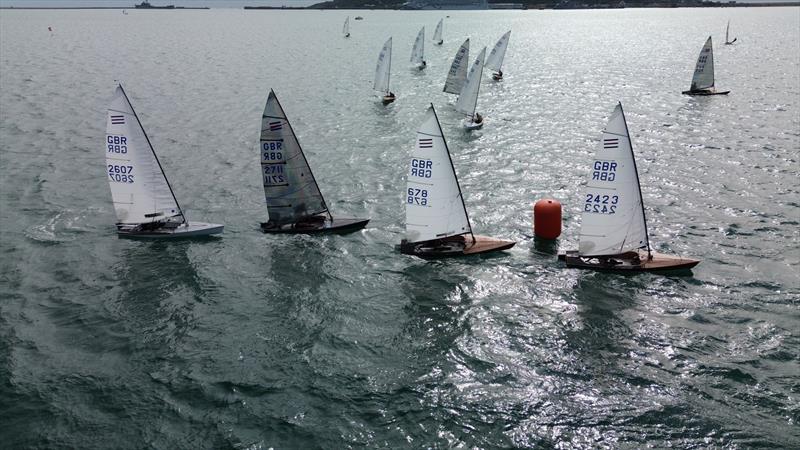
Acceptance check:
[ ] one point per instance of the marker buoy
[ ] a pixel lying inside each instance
(547, 218)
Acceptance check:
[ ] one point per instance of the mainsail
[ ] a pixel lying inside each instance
(383, 68)
(468, 100)
(291, 191)
(613, 219)
(418, 52)
(346, 27)
(704, 71)
(458, 70)
(139, 188)
(495, 59)
(437, 34)
(434, 204)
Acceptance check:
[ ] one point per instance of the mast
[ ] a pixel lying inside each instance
(302, 153)
(449, 158)
(154, 153)
(638, 184)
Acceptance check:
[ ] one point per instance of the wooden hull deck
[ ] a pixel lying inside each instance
(628, 262)
(336, 226)
(702, 93)
(189, 230)
(455, 247)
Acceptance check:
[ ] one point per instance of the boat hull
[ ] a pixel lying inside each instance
(335, 226)
(386, 99)
(450, 249)
(469, 125)
(190, 230)
(497, 77)
(704, 93)
(628, 262)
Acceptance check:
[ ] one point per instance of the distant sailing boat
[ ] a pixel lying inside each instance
(613, 228)
(457, 75)
(703, 79)
(143, 199)
(437, 224)
(346, 27)
(468, 100)
(728, 41)
(496, 56)
(294, 201)
(382, 72)
(437, 33)
(418, 52)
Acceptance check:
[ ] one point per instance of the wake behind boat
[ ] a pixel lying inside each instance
(383, 72)
(613, 233)
(294, 201)
(437, 224)
(703, 78)
(144, 202)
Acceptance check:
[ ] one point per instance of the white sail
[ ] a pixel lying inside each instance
(458, 70)
(613, 214)
(727, 32)
(495, 59)
(418, 52)
(290, 189)
(704, 71)
(434, 205)
(437, 34)
(383, 68)
(346, 27)
(139, 188)
(468, 100)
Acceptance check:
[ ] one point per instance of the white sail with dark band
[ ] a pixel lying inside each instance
(704, 70)
(384, 67)
(468, 100)
(139, 188)
(613, 219)
(290, 189)
(458, 70)
(434, 204)
(495, 59)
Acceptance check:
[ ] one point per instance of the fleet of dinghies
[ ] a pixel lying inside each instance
(613, 234)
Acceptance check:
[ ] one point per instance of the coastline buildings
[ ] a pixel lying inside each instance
(446, 4)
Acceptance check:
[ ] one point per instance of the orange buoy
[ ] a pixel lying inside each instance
(547, 218)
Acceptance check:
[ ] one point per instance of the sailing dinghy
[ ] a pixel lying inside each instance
(728, 40)
(346, 27)
(437, 224)
(703, 79)
(382, 72)
(457, 75)
(437, 34)
(613, 225)
(143, 198)
(496, 56)
(418, 52)
(294, 201)
(468, 100)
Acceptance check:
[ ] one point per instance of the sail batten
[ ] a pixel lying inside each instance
(139, 187)
(457, 75)
(434, 203)
(286, 175)
(495, 59)
(468, 99)
(383, 69)
(613, 221)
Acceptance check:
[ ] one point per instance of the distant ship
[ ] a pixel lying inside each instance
(146, 5)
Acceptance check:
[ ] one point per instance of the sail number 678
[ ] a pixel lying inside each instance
(417, 197)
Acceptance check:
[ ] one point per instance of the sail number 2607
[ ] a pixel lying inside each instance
(601, 204)
(417, 197)
(120, 174)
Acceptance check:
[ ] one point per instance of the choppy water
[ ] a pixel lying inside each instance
(255, 341)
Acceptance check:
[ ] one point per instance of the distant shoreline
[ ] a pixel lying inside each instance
(295, 8)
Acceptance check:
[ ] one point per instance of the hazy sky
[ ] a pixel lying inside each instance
(130, 3)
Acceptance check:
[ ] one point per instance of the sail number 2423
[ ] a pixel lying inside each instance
(601, 203)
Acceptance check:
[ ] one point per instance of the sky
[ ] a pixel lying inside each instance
(130, 3)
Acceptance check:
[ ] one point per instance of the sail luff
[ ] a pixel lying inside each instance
(150, 145)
